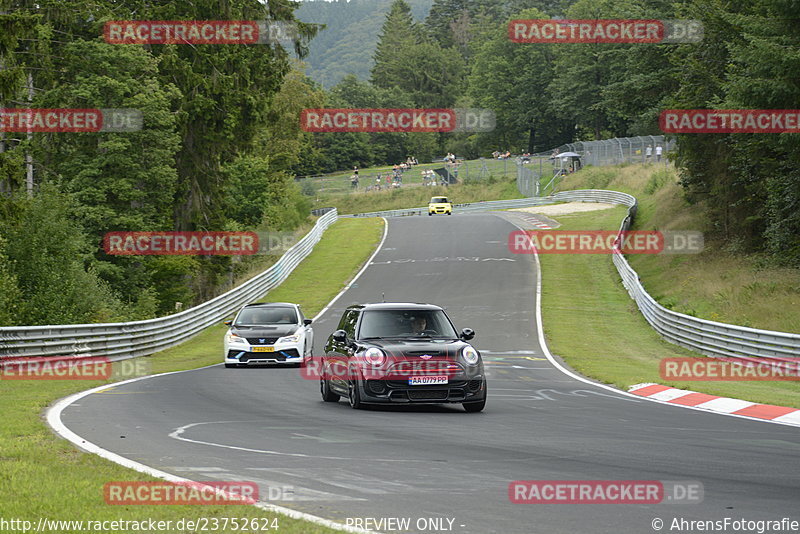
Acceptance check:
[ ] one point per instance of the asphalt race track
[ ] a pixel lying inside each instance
(270, 426)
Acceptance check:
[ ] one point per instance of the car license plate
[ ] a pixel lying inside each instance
(427, 380)
(264, 349)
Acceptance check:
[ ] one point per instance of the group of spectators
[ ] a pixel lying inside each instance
(393, 179)
(648, 153)
(501, 155)
(430, 178)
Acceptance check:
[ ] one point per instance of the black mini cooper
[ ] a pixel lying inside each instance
(399, 353)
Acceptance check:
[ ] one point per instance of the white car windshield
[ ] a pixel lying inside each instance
(265, 316)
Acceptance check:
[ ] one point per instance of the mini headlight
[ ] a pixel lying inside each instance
(470, 355)
(294, 338)
(375, 356)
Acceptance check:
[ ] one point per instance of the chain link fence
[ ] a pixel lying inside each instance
(542, 180)
(422, 174)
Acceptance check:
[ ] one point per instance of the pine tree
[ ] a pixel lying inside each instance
(399, 34)
(443, 15)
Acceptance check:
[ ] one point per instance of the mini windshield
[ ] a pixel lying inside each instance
(406, 323)
(263, 316)
(439, 200)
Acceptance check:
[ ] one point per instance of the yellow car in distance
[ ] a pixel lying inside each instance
(440, 206)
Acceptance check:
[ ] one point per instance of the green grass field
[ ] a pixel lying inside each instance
(720, 284)
(42, 475)
(592, 323)
(414, 197)
(470, 170)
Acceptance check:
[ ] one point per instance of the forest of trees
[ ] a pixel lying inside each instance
(544, 95)
(214, 154)
(222, 140)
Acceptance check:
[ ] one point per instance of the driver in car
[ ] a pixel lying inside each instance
(418, 324)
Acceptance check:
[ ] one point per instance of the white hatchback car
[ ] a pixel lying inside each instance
(275, 332)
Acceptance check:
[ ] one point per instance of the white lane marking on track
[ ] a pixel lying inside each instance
(620, 393)
(335, 476)
(791, 418)
(359, 273)
(292, 492)
(671, 394)
(199, 469)
(177, 434)
(54, 420)
(724, 404)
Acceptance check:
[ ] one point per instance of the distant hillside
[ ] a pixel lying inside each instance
(347, 44)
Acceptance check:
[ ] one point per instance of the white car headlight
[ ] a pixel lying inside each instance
(294, 338)
(470, 355)
(375, 356)
(233, 338)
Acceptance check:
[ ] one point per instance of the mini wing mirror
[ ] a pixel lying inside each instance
(228, 322)
(340, 336)
(306, 322)
(467, 334)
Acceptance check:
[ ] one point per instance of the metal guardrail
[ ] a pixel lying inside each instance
(719, 340)
(487, 205)
(706, 337)
(118, 341)
(139, 338)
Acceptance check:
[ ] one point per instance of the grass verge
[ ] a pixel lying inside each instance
(722, 283)
(592, 323)
(339, 182)
(42, 475)
(414, 197)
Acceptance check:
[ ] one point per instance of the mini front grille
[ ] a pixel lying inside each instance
(403, 384)
(376, 386)
(427, 394)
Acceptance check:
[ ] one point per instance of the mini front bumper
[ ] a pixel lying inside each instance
(398, 392)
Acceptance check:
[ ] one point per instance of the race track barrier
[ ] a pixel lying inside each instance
(119, 341)
(710, 338)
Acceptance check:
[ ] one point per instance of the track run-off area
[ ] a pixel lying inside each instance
(440, 468)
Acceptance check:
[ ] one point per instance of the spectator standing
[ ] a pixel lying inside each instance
(648, 153)
(658, 153)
